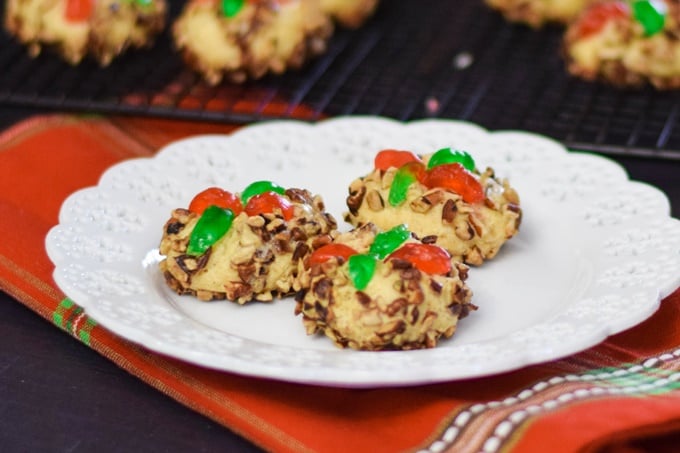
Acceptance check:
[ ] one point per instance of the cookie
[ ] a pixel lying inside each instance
(374, 291)
(242, 247)
(442, 198)
(240, 40)
(102, 29)
(349, 13)
(626, 44)
(537, 13)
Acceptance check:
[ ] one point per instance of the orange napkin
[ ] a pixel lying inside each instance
(622, 395)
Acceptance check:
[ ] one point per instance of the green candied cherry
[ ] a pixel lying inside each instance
(406, 175)
(651, 14)
(388, 241)
(361, 270)
(259, 187)
(448, 156)
(213, 224)
(230, 8)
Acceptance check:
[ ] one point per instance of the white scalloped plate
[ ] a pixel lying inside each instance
(595, 254)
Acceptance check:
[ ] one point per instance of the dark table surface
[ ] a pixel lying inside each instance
(56, 394)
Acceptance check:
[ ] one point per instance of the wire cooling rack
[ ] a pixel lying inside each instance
(414, 59)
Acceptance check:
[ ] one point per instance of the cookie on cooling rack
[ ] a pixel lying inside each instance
(537, 13)
(241, 40)
(102, 29)
(626, 43)
(349, 13)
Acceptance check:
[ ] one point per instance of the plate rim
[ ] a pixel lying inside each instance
(290, 373)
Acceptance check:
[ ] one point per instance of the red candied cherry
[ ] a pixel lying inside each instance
(78, 10)
(457, 179)
(267, 203)
(393, 158)
(428, 258)
(597, 16)
(328, 251)
(214, 196)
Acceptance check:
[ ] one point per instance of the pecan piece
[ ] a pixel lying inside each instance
(474, 223)
(301, 250)
(299, 196)
(375, 201)
(264, 255)
(322, 288)
(511, 195)
(174, 227)
(391, 329)
(255, 222)
(464, 231)
(449, 211)
(431, 239)
(436, 286)
(396, 306)
(363, 298)
(357, 191)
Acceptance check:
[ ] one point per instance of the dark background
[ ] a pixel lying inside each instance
(403, 62)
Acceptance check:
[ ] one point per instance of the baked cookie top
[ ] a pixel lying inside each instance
(238, 40)
(442, 197)
(373, 290)
(242, 247)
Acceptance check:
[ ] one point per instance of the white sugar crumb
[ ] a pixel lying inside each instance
(463, 60)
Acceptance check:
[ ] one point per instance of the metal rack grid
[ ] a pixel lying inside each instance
(414, 59)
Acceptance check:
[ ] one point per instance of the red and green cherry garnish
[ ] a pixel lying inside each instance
(263, 197)
(218, 208)
(455, 178)
(650, 14)
(81, 10)
(361, 266)
(217, 197)
(446, 168)
(388, 241)
(214, 223)
(269, 203)
(259, 187)
(448, 156)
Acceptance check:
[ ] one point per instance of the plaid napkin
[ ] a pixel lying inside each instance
(622, 395)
